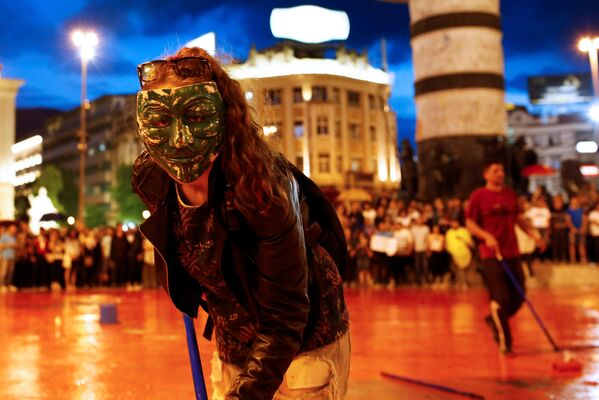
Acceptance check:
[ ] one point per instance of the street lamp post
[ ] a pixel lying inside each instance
(86, 42)
(307, 97)
(591, 45)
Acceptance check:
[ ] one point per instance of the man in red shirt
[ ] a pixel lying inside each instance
(491, 216)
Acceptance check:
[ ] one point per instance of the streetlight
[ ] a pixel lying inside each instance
(307, 96)
(591, 45)
(86, 42)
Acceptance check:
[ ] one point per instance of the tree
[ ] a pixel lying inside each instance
(130, 206)
(52, 179)
(95, 215)
(69, 196)
(21, 207)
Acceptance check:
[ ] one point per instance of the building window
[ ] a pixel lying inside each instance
(356, 164)
(297, 95)
(319, 93)
(354, 131)
(373, 133)
(299, 162)
(272, 96)
(353, 98)
(538, 141)
(372, 102)
(322, 125)
(337, 129)
(324, 166)
(336, 96)
(298, 129)
(339, 164)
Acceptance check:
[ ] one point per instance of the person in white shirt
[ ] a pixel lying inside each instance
(420, 233)
(369, 215)
(593, 221)
(539, 216)
(402, 259)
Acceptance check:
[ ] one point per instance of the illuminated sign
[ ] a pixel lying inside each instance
(309, 24)
(589, 170)
(586, 147)
(560, 89)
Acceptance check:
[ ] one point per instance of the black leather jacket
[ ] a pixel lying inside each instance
(266, 270)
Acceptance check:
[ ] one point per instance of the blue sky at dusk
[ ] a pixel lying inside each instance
(540, 37)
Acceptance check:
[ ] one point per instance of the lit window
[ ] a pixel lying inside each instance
(298, 129)
(356, 164)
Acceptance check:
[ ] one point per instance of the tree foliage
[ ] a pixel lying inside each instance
(95, 215)
(129, 205)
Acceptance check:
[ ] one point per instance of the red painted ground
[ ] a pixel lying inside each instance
(52, 346)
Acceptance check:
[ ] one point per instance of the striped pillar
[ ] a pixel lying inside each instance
(8, 93)
(459, 88)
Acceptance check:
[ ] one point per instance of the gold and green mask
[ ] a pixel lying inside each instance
(183, 128)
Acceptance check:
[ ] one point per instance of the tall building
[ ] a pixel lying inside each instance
(111, 142)
(326, 109)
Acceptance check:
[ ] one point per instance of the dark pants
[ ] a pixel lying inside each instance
(595, 246)
(559, 245)
(505, 300)
(421, 267)
(380, 267)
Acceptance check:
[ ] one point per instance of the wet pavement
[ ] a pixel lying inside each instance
(53, 346)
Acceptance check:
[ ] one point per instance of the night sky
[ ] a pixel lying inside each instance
(540, 37)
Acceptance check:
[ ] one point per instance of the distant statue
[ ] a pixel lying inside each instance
(521, 157)
(40, 205)
(445, 171)
(409, 172)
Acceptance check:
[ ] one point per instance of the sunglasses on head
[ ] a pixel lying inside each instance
(185, 67)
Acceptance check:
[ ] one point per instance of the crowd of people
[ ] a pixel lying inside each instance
(67, 258)
(393, 242)
(390, 242)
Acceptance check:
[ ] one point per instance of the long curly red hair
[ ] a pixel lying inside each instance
(250, 165)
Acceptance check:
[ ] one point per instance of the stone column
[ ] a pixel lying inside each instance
(8, 93)
(459, 89)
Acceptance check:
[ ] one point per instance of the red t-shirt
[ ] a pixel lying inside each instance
(496, 213)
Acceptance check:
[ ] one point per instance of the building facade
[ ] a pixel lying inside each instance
(111, 142)
(554, 139)
(328, 115)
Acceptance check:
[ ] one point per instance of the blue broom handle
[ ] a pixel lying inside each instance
(194, 358)
(509, 273)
